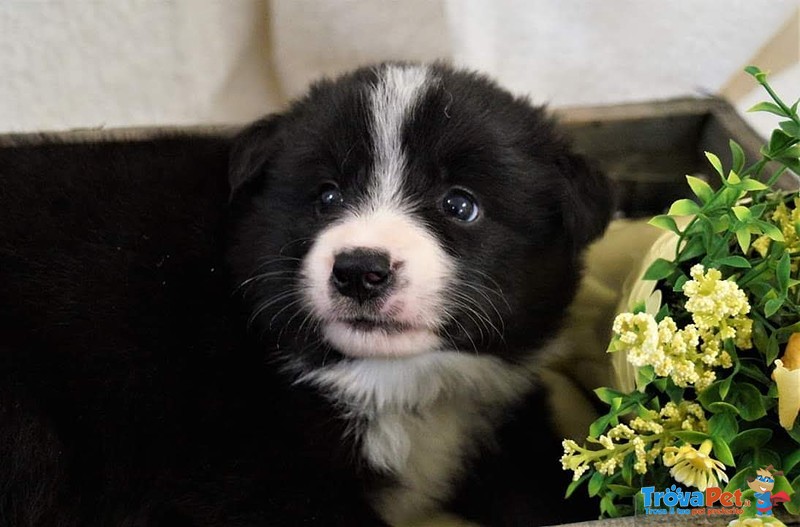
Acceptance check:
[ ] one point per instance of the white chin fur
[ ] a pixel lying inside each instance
(378, 343)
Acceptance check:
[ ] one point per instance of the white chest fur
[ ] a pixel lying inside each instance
(420, 417)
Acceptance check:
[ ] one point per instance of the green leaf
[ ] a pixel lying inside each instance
(692, 249)
(794, 433)
(753, 184)
(607, 506)
(720, 223)
(644, 375)
(790, 127)
(595, 483)
(743, 237)
(764, 456)
(607, 395)
(599, 426)
(678, 287)
(737, 155)
(664, 222)
(754, 373)
(772, 349)
(720, 407)
(660, 384)
(795, 484)
(675, 393)
(790, 461)
(659, 269)
(723, 425)
(760, 341)
(684, 207)
(778, 141)
(748, 399)
(785, 331)
(724, 387)
(772, 306)
(792, 163)
(771, 230)
(742, 213)
(738, 481)
(756, 72)
(768, 107)
(757, 210)
(627, 469)
(749, 440)
(700, 188)
(690, 436)
(622, 490)
(575, 484)
(709, 396)
(729, 196)
(733, 178)
(723, 452)
(716, 163)
(782, 272)
(735, 261)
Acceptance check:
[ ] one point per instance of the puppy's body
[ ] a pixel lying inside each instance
(403, 244)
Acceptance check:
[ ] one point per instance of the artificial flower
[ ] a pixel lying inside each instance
(693, 467)
(787, 377)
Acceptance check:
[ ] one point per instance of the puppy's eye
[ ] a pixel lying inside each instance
(330, 196)
(460, 205)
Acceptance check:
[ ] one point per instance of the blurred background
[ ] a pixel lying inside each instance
(89, 63)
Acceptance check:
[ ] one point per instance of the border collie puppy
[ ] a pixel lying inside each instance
(405, 242)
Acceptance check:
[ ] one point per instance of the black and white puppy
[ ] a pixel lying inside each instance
(406, 240)
(403, 241)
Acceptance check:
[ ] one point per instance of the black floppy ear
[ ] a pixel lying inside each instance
(588, 203)
(253, 148)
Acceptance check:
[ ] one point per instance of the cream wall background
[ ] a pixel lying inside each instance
(92, 63)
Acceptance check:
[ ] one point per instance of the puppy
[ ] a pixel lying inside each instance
(406, 240)
(401, 245)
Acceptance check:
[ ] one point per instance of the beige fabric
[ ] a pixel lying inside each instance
(612, 265)
(68, 63)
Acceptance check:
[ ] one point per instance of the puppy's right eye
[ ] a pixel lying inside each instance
(330, 197)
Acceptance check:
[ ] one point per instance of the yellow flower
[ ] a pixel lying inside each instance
(787, 377)
(693, 467)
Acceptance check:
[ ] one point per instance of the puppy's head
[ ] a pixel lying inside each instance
(404, 210)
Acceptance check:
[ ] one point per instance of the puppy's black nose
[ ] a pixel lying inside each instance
(361, 274)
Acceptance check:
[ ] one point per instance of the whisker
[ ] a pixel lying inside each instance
(497, 290)
(481, 314)
(271, 301)
(468, 311)
(281, 310)
(481, 291)
(466, 333)
(263, 276)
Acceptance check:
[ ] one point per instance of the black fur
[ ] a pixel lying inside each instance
(135, 390)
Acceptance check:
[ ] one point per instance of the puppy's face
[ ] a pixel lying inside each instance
(403, 210)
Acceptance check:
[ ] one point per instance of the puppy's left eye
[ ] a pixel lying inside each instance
(330, 197)
(460, 205)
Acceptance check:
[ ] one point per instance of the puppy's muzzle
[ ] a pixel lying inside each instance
(362, 274)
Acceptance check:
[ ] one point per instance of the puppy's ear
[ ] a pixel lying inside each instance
(588, 203)
(253, 148)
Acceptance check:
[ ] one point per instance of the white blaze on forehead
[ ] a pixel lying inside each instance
(393, 100)
(382, 221)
